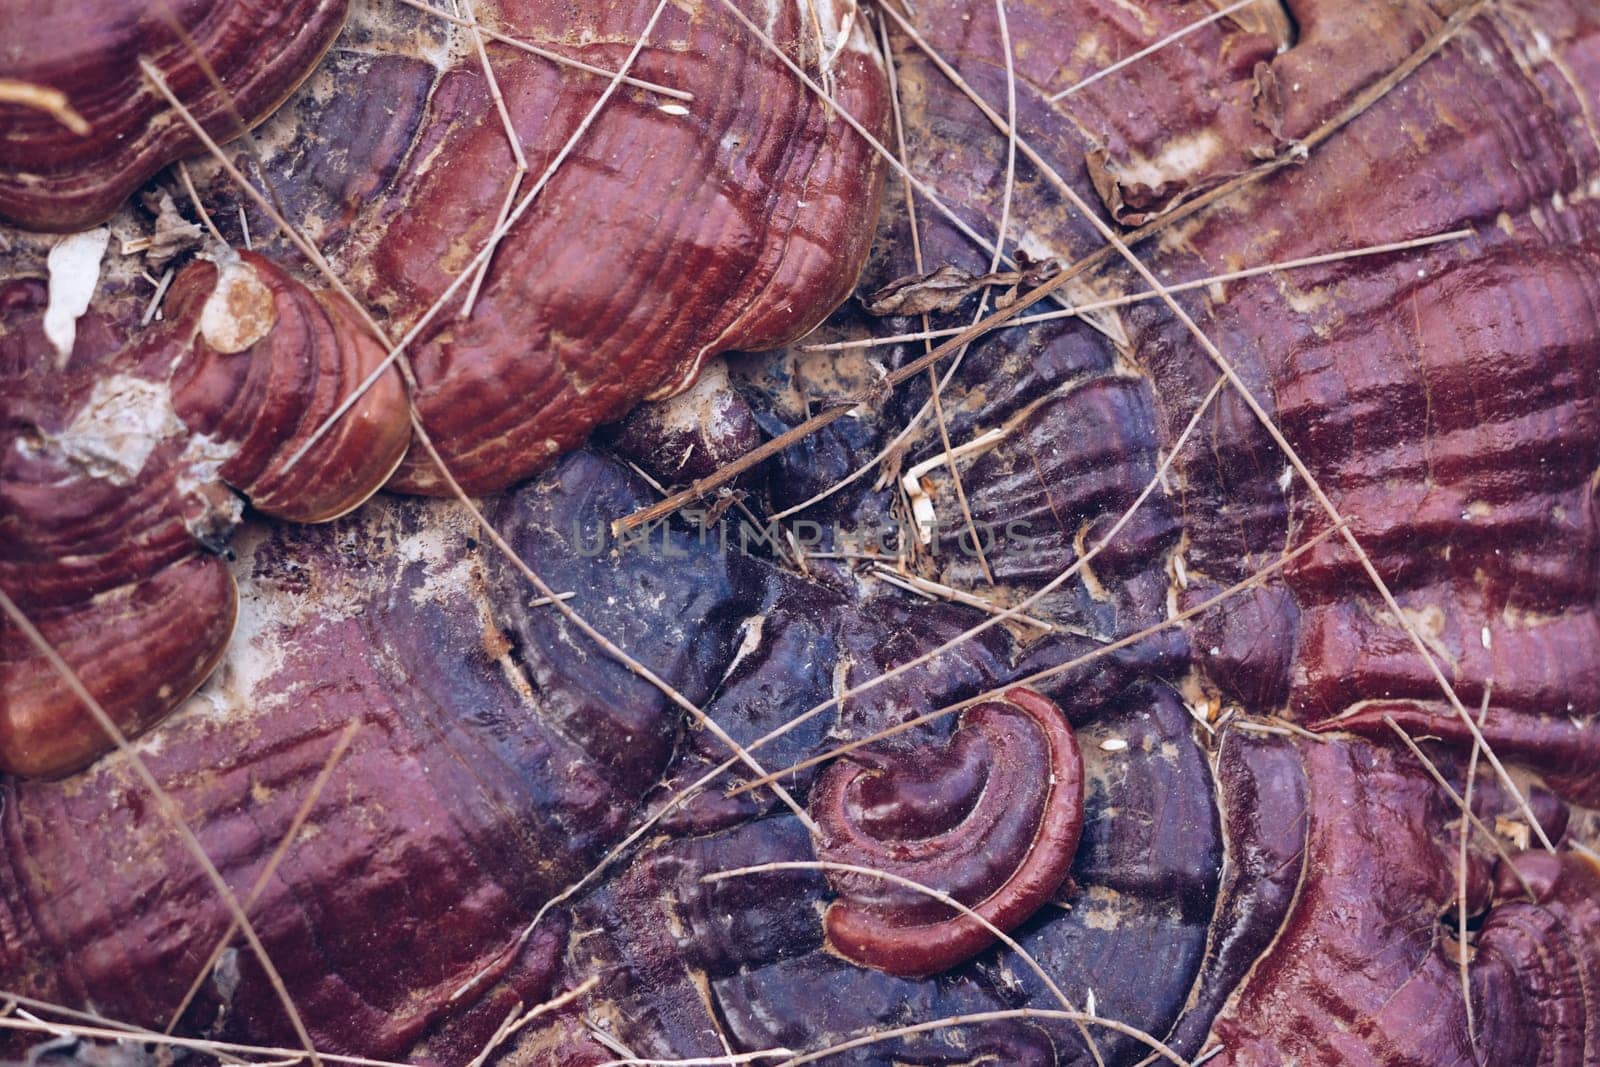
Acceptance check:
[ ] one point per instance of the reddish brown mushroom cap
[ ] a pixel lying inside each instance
(1365, 966)
(993, 820)
(114, 470)
(53, 178)
(672, 232)
(308, 351)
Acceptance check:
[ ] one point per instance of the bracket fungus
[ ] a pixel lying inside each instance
(751, 251)
(232, 63)
(1227, 635)
(115, 473)
(993, 821)
(672, 233)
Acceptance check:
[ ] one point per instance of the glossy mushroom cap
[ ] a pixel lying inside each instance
(308, 351)
(993, 821)
(53, 178)
(674, 230)
(1445, 398)
(114, 474)
(1235, 883)
(1338, 933)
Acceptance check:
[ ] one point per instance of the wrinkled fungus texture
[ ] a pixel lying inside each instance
(1237, 855)
(53, 178)
(992, 821)
(115, 468)
(498, 757)
(766, 240)
(665, 238)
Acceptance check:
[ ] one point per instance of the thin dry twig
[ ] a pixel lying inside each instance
(8, 1000)
(150, 1037)
(703, 1061)
(879, 1036)
(994, 265)
(241, 128)
(1147, 295)
(913, 425)
(900, 375)
(935, 384)
(1274, 725)
(1460, 802)
(517, 155)
(1463, 957)
(1011, 133)
(784, 551)
(154, 305)
(515, 1021)
(199, 207)
(930, 589)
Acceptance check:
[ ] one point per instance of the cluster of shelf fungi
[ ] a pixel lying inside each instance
(1235, 706)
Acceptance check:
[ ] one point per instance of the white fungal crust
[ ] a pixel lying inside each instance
(113, 434)
(74, 265)
(240, 310)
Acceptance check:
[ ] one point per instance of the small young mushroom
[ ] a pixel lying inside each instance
(993, 821)
(308, 352)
